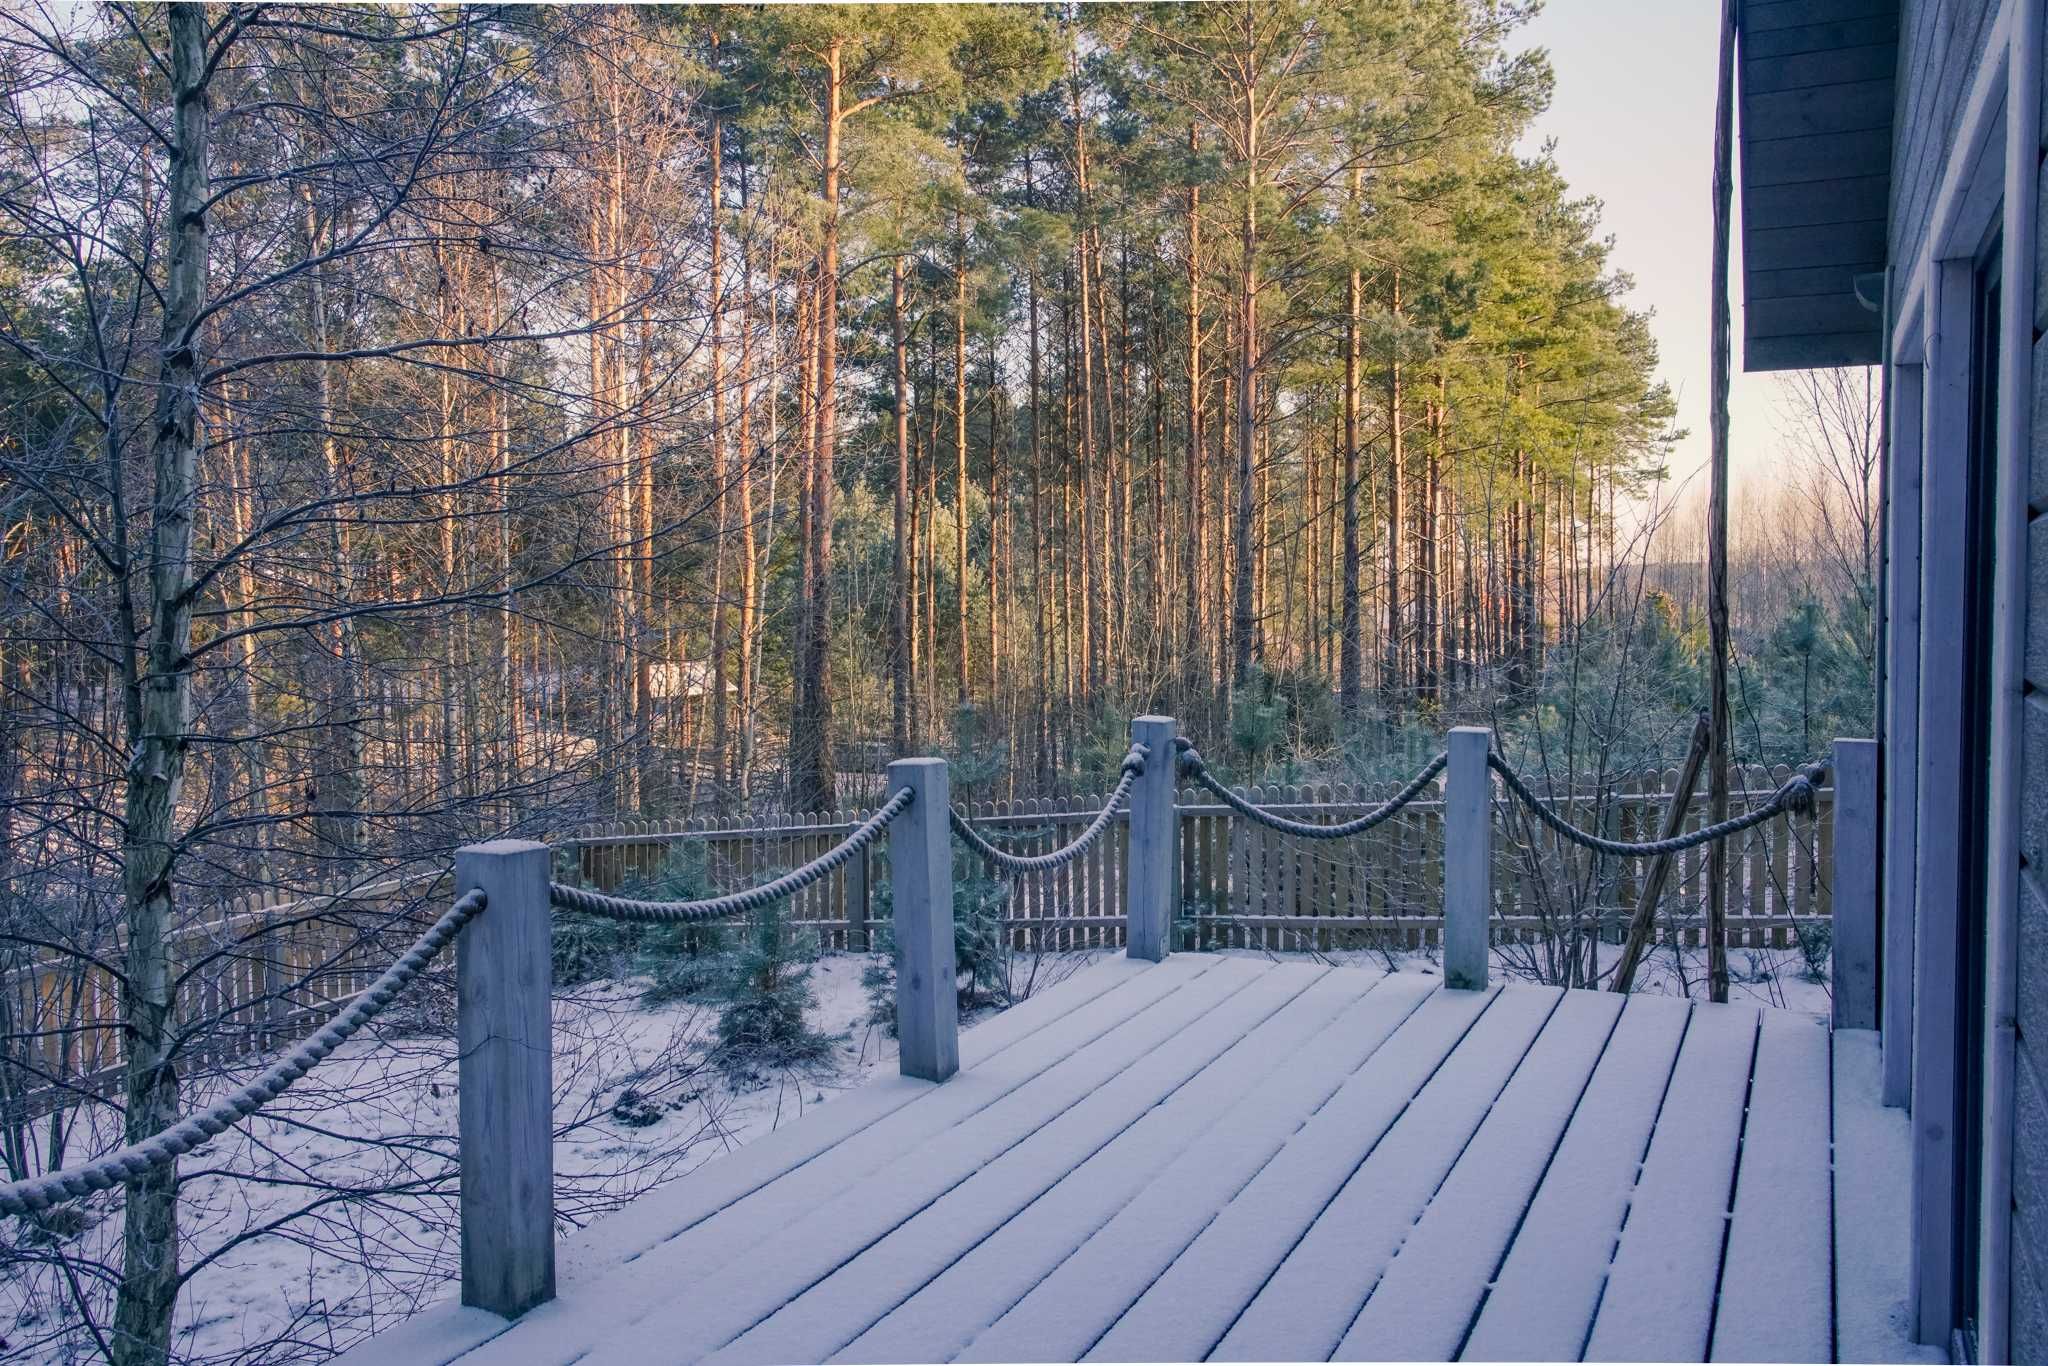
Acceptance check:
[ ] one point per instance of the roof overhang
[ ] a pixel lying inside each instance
(1815, 81)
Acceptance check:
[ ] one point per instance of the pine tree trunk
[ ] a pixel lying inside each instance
(1092, 609)
(445, 529)
(1244, 618)
(337, 763)
(1430, 599)
(1041, 589)
(1351, 662)
(721, 456)
(961, 679)
(995, 576)
(1121, 419)
(931, 521)
(811, 747)
(1311, 550)
(807, 439)
(899, 616)
(1393, 675)
(749, 588)
(1158, 632)
(1194, 549)
(243, 508)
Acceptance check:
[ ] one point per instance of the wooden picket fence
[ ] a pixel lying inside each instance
(265, 969)
(1244, 886)
(272, 968)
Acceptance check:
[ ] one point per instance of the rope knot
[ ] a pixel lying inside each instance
(1134, 762)
(1190, 757)
(1801, 791)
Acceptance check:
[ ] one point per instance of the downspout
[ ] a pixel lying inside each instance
(2009, 608)
(1880, 619)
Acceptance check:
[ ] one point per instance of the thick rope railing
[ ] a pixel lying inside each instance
(1796, 794)
(736, 903)
(1133, 767)
(1191, 765)
(39, 1193)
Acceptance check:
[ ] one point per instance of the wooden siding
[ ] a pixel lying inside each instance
(1941, 45)
(2029, 1323)
(1816, 79)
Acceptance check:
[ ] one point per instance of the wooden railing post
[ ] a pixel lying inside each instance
(1853, 965)
(1468, 859)
(504, 982)
(1155, 844)
(921, 882)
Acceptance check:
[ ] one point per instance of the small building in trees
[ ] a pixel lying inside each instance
(687, 680)
(1891, 175)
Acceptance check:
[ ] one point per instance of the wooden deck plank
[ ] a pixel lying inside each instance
(1419, 1310)
(1230, 1158)
(1873, 1159)
(1070, 1174)
(1192, 1303)
(1302, 1310)
(441, 1334)
(1777, 1280)
(559, 1331)
(1545, 1292)
(1659, 1300)
(1148, 1194)
(729, 1292)
(664, 1212)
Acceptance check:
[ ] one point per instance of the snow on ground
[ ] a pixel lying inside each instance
(1875, 1322)
(636, 1105)
(380, 1115)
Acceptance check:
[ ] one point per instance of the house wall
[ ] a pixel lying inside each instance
(2030, 1050)
(1942, 46)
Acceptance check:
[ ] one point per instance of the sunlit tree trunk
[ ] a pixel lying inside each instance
(900, 657)
(1244, 618)
(1393, 674)
(1194, 572)
(961, 678)
(811, 760)
(1351, 663)
(722, 462)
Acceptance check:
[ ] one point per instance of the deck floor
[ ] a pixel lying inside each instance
(1226, 1158)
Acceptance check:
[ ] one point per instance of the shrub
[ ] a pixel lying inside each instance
(765, 1020)
(981, 955)
(585, 948)
(1816, 942)
(878, 981)
(695, 972)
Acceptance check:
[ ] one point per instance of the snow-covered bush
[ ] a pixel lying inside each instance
(767, 993)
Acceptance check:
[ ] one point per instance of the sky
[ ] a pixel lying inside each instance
(1632, 117)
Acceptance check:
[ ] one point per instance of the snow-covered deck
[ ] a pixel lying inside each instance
(1226, 1157)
